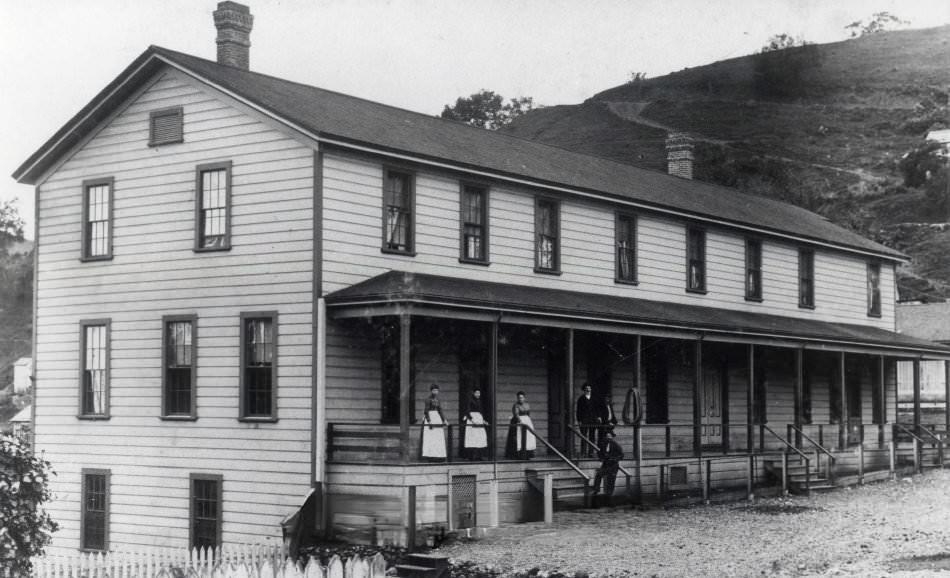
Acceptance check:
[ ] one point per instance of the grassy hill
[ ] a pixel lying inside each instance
(16, 317)
(821, 126)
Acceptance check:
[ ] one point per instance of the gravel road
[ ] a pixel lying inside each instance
(894, 528)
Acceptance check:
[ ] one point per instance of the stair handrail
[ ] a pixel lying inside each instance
(593, 445)
(786, 443)
(563, 458)
(909, 432)
(929, 433)
(817, 445)
(785, 459)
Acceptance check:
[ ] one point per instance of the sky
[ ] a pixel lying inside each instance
(55, 55)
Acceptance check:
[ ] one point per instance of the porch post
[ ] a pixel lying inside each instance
(405, 384)
(750, 398)
(493, 390)
(882, 392)
(698, 398)
(916, 395)
(843, 426)
(566, 396)
(799, 395)
(946, 393)
(637, 368)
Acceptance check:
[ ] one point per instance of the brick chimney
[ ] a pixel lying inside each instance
(679, 155)
(234, 23)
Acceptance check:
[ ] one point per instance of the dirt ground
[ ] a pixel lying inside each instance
(894, 528)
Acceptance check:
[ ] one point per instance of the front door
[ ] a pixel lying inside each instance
(711, 410)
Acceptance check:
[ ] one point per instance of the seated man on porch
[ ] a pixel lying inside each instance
(610, 453)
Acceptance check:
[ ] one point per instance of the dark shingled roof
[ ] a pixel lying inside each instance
(357, 121)
(398, 286)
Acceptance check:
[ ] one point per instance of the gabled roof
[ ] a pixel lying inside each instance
(396, 287)
(347, 120)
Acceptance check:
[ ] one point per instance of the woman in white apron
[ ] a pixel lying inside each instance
(433, 428)
(521, 442)
(475, 436)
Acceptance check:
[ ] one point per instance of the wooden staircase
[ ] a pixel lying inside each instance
(800, 481)
(570, 490)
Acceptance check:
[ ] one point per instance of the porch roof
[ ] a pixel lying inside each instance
(385, 293)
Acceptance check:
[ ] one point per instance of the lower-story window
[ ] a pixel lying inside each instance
(259, 365)
(94, 523)
(205, 518)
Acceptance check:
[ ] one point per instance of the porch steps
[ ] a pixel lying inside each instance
(423, 566)
(569, 488)
(799, 480)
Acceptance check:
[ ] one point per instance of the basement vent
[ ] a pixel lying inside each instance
(166, 126)
(677, 476)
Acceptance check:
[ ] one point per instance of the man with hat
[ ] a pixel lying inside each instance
(610, 454)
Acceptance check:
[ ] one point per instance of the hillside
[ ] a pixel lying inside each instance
(821, 126)
(16, 306)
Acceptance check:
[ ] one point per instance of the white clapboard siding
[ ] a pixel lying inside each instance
(352, 232)
(154, 272)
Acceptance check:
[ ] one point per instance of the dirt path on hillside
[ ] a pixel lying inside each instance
(895, 528)
(632, 111)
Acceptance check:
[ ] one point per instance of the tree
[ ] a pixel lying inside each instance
(878, 22)
(24, 488)
(487, 109)
(11, 223)
(781, 42)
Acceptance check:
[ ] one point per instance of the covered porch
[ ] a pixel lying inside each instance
(731, 400)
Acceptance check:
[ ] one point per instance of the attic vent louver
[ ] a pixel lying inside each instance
(166, 126)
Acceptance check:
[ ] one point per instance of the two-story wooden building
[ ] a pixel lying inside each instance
(245, 287)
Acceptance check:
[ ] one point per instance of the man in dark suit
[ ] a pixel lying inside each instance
(610, 454)
(586, 417)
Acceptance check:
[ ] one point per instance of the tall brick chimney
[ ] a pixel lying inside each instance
(679, 155)
(234, 23)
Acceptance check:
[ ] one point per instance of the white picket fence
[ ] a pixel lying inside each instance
(237, 562)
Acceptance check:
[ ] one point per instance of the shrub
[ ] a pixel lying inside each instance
(24, 488)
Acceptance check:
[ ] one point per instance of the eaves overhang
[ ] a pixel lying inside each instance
(398, 292)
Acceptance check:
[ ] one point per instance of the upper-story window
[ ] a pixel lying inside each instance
(398, 199)
(94, 369)
(625, 231)
(213, 207)
(166, 126)
(259, 365)
(97, 219)
(874, 289)
(547, 224)
(695, 259)
(753, 269)
(474, 223)
(806, 278)
(178, 370)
